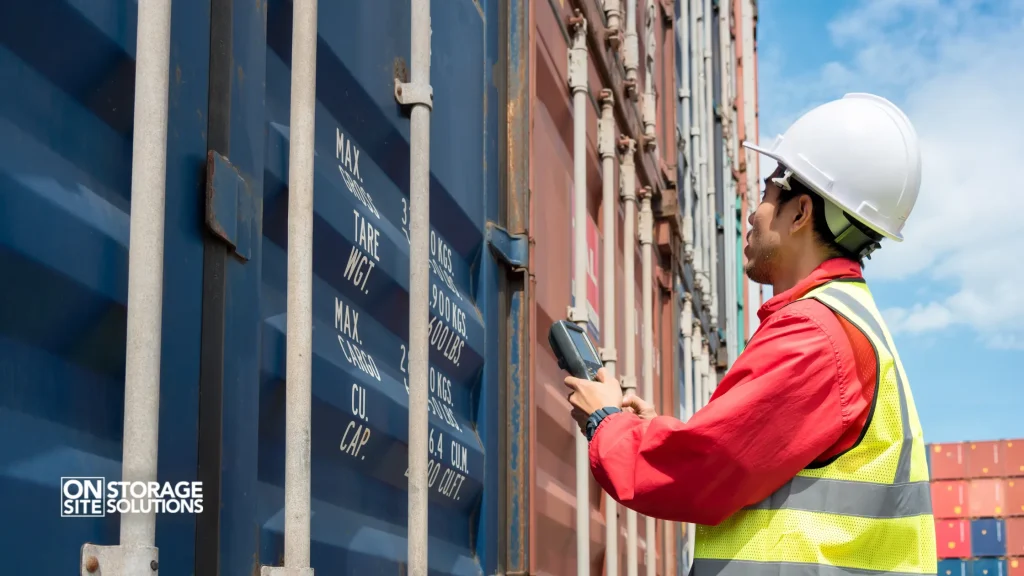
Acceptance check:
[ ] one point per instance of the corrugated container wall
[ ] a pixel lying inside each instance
(717, 184)
(67, 136)
(640, 113)
(502, 477)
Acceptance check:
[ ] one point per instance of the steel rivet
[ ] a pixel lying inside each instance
(92, 564)
(153, 565)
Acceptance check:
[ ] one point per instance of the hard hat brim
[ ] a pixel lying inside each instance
(849, 211)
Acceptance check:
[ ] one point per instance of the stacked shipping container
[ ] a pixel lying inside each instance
(978, 502)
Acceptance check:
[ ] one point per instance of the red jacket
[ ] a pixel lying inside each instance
(799, 393)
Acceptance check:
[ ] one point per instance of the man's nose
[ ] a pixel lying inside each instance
(750, 219)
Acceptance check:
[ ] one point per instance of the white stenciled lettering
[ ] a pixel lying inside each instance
(366, 235)
(436, 448)
(442, 411)
(358, 358)
(451, 482)
(459, 457)
(446, 341)
(446, 278)
(440, 400)
(440, 386)
(433, 468)
(448, 310)
(358, 269)
(359, 402)
(354, 439)
(346, 153)
(441, 252)
(346, 320)
(405, 219)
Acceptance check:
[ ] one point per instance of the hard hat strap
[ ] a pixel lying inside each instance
(848, 235)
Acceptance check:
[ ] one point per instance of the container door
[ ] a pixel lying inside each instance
(66, 120)
(360, 293)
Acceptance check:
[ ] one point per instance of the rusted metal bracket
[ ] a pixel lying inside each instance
(409, 93)
(513, 250)
(230, 213)
(119, 560)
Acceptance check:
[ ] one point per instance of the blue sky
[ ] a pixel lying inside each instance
(952, 291)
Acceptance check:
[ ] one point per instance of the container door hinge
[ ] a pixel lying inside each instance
(118, 560)
(512, 249)
(229, 206)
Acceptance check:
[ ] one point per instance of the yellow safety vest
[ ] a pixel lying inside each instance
(866, 511)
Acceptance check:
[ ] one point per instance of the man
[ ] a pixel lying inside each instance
(809, 458)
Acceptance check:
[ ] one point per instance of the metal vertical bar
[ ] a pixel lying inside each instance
(298, 419)
(647, 343)
(146, 263)
(627, 172)
(578, 312)
(418, 94)
(686, 327)
(631, 51)
(701, 279)
(711, 227)
(685, 92)
(609, 212)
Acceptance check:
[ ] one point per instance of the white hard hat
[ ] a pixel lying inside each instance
(859, 152)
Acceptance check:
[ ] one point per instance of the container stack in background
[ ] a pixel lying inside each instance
(978, 502)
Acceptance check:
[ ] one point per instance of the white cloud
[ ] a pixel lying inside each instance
(956, 67)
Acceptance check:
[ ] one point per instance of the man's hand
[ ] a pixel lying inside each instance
(588, 396)
(636, 405)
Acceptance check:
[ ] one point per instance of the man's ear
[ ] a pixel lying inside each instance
(803, 208)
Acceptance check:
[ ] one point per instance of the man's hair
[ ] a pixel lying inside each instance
(819, 224)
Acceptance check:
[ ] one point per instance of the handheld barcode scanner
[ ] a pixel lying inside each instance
(574, 351)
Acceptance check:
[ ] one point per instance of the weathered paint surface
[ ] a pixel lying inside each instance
(66, 132)
(553, 500)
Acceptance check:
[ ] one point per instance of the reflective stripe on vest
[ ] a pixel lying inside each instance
(865, 512)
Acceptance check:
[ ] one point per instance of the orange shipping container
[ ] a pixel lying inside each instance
(1015, 497)
(949, 499)
(987, 498)
(1015, 567)
(985, 460)
(1015, 536)
(1013, 453)
(949, 462)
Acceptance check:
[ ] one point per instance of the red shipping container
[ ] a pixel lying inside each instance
(953, 538)
(948, 462)
(986, 460)
(950, 498)
(1013, 453)
(1015, 567)
(1015, 497)
(987, 498)
(1015, 536)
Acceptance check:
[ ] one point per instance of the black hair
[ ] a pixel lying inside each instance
(819, 223)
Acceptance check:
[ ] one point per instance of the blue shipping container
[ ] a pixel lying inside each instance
(954, 567)
(988, 537)
(989, 567)
(66, 121)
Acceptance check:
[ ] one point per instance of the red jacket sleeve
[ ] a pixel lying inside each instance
(776, 411)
